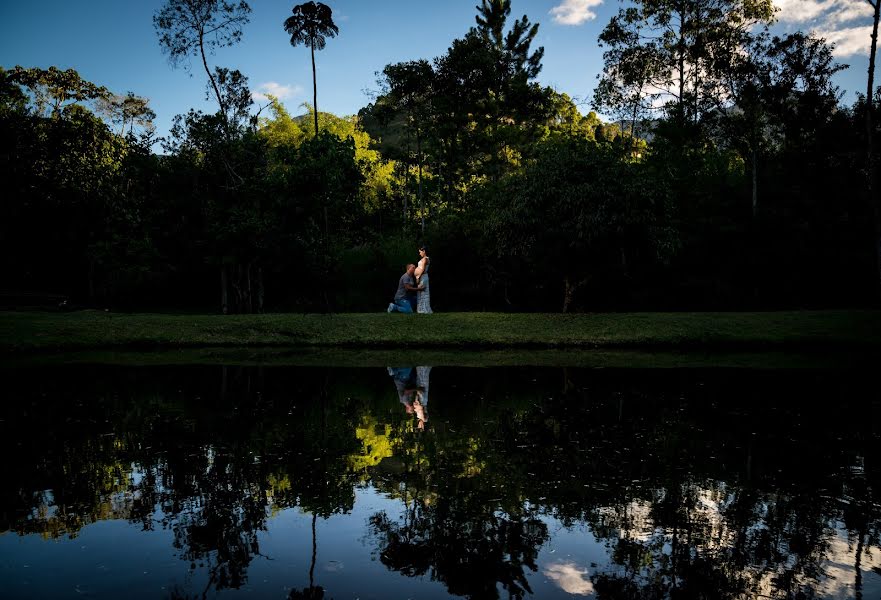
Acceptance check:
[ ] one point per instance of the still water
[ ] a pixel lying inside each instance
(431, 482)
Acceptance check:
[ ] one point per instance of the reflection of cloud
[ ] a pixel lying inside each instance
(570, 578)
(827, 19)
(574, 12)
(276, 89)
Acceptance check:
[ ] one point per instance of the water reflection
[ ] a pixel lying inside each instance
(412, 385)
(306, 483)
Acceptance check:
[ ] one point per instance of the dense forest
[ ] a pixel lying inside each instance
(726, 174)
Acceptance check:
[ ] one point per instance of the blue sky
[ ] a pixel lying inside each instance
(113, 43)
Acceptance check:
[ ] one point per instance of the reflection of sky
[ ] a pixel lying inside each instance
(108, 556)
(568, 559)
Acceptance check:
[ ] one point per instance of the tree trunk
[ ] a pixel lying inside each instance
(260, 290)
(568, 293)
(250, 295)
(210, 76)
(407, 182)
(681, 62)
(314, 552)
(858, 572)
(755, 161)
(224, 286)
(91, 280)
(314, 90)
(419, 159)
(871, 169)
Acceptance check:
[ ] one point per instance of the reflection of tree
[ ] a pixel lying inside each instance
(462, 543)
(716, 490)
(312, 592)
(213, 468)
(465, 538)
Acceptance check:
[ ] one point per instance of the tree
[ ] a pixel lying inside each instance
(55, 89)
(778, 92)
(582, 211)
(666, 52)
(487, 109)
(510, 108)
(628, 64)
(196, 28)
(408, 89)
(128, 110)
(871, 163)
(311, 24)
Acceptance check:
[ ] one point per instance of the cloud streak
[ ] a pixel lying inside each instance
(273, 88)
(574, 12)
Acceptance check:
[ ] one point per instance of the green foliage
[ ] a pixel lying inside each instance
(674, 55)
(128, 110)
(376, 174)
(522, 197)
(311, 24)
(580, 210)
(53, 89)
(280, 129)
(188, 28)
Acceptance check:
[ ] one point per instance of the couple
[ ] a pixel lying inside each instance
(413, 294)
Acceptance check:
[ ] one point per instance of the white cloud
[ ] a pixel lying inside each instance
(849, 41)
(570, 578)
(574, 12)
(272, 88)
(836, 20)
(837, 11)
(802, 11)
(851, 11)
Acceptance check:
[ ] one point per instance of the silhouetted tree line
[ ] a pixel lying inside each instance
(732, 177)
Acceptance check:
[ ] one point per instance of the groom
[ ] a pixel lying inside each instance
(405, 297)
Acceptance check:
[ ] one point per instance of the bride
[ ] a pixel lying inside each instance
(423, 300)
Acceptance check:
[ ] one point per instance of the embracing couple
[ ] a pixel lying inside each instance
(413, 294)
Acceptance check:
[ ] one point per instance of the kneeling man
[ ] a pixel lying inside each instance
(405, 297)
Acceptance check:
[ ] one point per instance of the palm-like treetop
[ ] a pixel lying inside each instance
(311, 24)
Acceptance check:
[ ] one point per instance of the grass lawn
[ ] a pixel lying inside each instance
(38, 331)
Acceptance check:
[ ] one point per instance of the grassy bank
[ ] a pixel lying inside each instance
(323, 356)
(34, 331)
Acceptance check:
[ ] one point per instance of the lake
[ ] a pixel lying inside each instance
(416, 481)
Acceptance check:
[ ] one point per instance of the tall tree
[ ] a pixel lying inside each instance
(492, 16)
(871, 167)
(196, 28)
(628, 63)
(311, 24)
(669, 48)
(128, 110)
(408, 90)
(778, 92)
(583, 212)
(510, 97)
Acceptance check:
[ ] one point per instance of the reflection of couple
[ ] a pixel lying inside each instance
(412, 386)
(413, 293)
